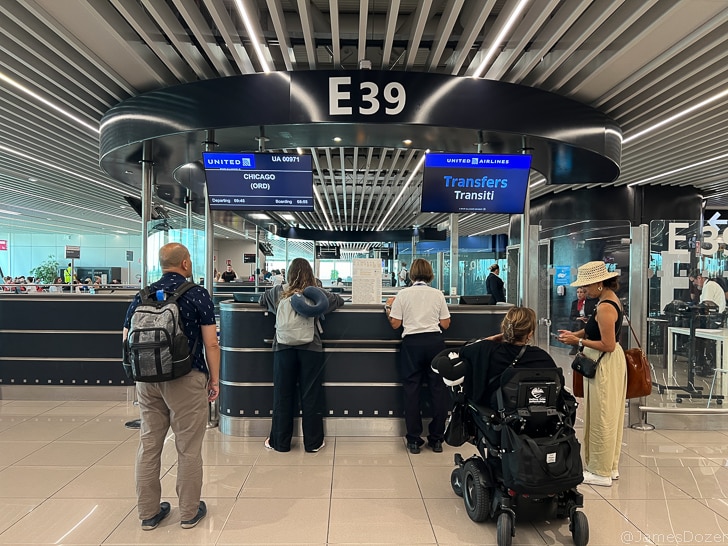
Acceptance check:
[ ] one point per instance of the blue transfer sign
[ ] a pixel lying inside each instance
(562, 275)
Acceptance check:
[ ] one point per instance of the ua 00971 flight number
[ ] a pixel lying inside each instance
(394, 95)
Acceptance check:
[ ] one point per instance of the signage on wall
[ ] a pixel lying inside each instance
(713, 238)
(73, 252)
(3, 244)
(248, 258)
(562, 275)
(129, 255)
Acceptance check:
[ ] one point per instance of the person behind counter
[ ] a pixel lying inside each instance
(581, 309)
(422, 312)
(228, 275)
(298, 367)
(494, 284)
(604, 394)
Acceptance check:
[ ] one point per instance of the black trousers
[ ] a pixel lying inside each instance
(416, 354)
(298, 374)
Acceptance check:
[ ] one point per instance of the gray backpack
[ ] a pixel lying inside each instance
(292, 328)
(157, 348)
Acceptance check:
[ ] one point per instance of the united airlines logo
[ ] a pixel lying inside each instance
(246, 162)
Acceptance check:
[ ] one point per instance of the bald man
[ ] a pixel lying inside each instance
(181, 403)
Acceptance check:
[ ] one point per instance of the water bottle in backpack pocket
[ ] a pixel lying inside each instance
(156, 348)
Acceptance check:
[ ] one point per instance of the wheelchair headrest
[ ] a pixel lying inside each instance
(450, 366)
(531, 387)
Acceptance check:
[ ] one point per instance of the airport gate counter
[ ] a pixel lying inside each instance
(363, 391)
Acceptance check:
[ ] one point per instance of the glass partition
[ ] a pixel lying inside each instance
(686, 340)
(174, 230)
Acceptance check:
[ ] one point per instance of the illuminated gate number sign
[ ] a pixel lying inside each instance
(394, 95)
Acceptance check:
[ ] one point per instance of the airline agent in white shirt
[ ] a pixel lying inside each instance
(422, 312)
(713, 292)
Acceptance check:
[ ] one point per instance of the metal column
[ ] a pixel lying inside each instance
(639, 259)
(147, 183)
(454, 269)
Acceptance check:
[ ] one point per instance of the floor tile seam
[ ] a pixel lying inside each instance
(27, 514)
(643, 533)
(242, 485)
(668, 480)
(121, 521)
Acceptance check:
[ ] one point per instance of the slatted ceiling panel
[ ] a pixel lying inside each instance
(640, 61)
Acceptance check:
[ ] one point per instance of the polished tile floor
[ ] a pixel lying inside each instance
(67, 477)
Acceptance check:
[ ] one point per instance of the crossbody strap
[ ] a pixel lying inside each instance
(632, 330)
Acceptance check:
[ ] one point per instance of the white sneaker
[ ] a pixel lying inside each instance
(595, 479)
(615, 474)
(319, 448)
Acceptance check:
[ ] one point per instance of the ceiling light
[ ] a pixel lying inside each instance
(37, 97)
(251, 34)
(128, 172)
(288, 216)
(399, 195)
(56, 167)
(9, 212)
(496, 45)
(490, 229)
(675, 171)
(31, 179)
(260, 216)
(337, 139)
(466, 217)
(299, 150)
(406, 142)
(677, 116)
(122, 232)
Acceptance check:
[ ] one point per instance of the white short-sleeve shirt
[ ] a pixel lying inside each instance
(712, 291)
(420, 308)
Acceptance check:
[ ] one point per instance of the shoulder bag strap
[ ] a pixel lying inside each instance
(632, 330)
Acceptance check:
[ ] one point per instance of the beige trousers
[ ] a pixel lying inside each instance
(604, 400)
(182, 405)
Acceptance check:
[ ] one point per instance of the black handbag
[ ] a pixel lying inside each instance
(460, 428)
(586, 366)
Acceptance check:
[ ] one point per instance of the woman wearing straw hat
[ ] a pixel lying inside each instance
(604, 395)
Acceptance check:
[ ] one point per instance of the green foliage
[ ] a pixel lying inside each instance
(47, 271)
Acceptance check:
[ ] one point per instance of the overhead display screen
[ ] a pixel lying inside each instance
(495, 184)
(259, 181)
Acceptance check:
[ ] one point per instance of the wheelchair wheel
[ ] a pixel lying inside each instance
(505, 529)
(456, 481)
(475, 492)
(579, 528)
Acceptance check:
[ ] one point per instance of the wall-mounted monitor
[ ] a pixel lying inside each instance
(330, 252)
(468, 183)
(259, 181)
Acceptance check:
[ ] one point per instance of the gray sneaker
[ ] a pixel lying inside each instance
(153, 523)
(201, 513)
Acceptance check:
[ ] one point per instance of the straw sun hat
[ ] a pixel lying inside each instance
(592, 272)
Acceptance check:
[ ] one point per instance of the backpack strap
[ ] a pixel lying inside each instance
(180, 290)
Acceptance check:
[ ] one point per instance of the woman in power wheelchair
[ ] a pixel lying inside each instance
(510, 403)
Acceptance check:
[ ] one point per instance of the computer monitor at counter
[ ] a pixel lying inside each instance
(484, 299)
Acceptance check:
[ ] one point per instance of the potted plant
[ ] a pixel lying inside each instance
(47, 271)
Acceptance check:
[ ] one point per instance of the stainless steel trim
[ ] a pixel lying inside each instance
(59, 359)
(62, 332)
(333, 426)
(246, 349)
(246, 384)
(357, 349)
(230, 305)
(331, 384)
(684, 411)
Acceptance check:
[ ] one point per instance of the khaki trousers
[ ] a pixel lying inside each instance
(182, 405)
(604, 399)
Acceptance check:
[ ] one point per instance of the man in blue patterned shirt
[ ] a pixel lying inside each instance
(180, 403)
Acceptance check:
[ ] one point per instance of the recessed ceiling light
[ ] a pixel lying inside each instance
(31, 179)
(122, 206)
(122, 232)
(299, 150)
(288, 216)
(128, 172)
(337, 139)
(9, 212)
(260, 216)
(406, 142)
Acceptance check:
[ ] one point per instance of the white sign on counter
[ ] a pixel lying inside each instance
(366, 284)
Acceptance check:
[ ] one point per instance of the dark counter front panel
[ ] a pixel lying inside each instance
(62, 339)
(361, 353)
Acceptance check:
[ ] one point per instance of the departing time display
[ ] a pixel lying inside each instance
(259, 181)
